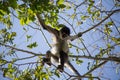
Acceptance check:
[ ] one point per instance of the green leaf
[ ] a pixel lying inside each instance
(22, 21)
(90, 77)
(2, 12)
(107, 30)
(3, 31)
(32, 45)
(9, 65)
(73, 16)
(13, 3)
(5, 70)
(2, 61)
(28, 37)
(68, 5)
(79, 23)
(61, 6)
(91, 2)
(57, 73)
(110, 23)
(108, 45)
(84, 17)
(59, 2)
(89, 9)
(13, 34)
(116, 40)
(97, 13)
(78, 61)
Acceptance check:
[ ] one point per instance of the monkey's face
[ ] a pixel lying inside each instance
(64, 35)
(65, 32)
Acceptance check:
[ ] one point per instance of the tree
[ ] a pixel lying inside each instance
(23, 43)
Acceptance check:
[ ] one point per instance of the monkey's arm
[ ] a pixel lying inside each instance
(71, 67)
(71, 38)
(46, 27)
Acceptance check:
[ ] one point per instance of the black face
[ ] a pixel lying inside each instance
(65, 31)
(64, 35)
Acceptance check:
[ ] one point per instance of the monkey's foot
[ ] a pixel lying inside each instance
(48, 64)
(47, 61)
(60, 68)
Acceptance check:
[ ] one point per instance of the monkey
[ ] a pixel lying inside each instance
(59, 51)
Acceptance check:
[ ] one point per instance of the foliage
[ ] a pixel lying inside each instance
(100, 41)
(32, 45)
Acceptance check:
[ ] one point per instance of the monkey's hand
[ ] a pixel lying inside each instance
(79, 34)
(47, 61)
(60, 68)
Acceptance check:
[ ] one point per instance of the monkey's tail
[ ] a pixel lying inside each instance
(71, 67)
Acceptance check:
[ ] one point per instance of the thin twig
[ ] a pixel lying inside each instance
(95, 68)
(101, 21)
(17, 49)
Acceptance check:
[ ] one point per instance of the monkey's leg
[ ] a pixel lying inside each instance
(47, 59)
(63, 58)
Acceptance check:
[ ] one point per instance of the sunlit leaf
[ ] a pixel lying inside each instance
(10, 65)
(28, 37)
(84, 17)
(79, 61)
(116, 40)
(57, 73)
(59, 2)
(110, 23)
(32, 45)
(2, 12)
(90, 77)
(107, 30)
(13, 34)
(68, 5)
(89, 9)
(73, 16)
(22, 21)
(108, 45)
(79, 23)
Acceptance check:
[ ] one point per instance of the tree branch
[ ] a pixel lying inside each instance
(110, 58)
(101, 21)
(95, 68)
(17, 49)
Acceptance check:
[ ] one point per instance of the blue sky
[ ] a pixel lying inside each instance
(89, 40)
